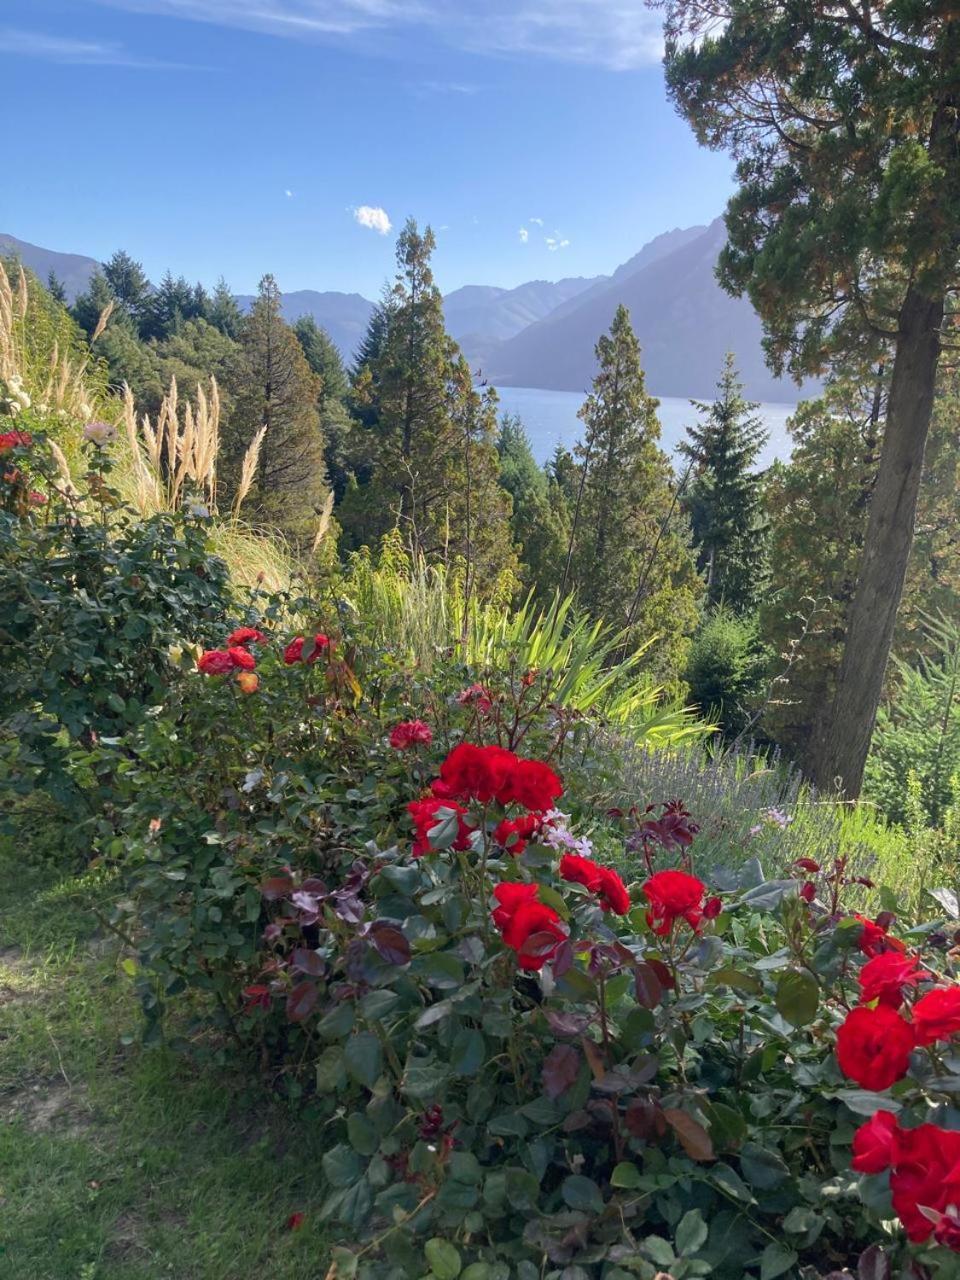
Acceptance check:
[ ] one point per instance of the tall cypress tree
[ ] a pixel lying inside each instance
(273, 387)
(629, 555)
(724, 495)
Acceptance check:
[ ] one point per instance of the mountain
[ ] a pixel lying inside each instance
(345, 316)
(72, 269)
(479, 315)
(684, 320)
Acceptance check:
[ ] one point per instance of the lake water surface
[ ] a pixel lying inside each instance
(550, 418)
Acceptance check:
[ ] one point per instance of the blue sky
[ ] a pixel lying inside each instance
(244, 136)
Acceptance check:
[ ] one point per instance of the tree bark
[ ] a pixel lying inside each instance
(842, 750)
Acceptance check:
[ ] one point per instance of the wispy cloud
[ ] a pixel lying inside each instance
(374, 217)
(537, 222)
(81, 53)
(620, 35)
(288, 193)
(524, 235)
(556, 241)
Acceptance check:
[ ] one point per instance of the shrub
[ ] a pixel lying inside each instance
(727, 670)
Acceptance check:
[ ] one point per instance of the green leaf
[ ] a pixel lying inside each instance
(424, 1080)
(363, 1058)
(478, 1271)
(625, 1175)
(363, 1136)
(522, 1188)
(659, 1250)
(775, 1260)
(736, 979)
(797, 997)
(467, 1053)
(440, 969)
(691, 1233)
(442, 1258)
(762, 1168)
(341, 1166)
(582, 1193)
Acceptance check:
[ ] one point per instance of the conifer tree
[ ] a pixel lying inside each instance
(629, 557)
(540, 520)
(127, 280)
(325, 361)
(273, 387)
(224, 314)
(724, 495)
(89, 305)
(56, 288)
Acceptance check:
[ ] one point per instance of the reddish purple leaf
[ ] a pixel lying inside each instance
(645, 1119)
(567, 1024)
(691, 1134)
(305, 961)
(301, 1002)
(560, 1070)
(390, 942)
(874, 1264)
(649, 989)
(276, 887)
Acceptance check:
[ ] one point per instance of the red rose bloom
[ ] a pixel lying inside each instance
(947, 1230)
(885, 976)
(425, 817)
(409, 733)
(215, 662)
(241, 658)
(579, 870)
(926, 1176)
(478, 696)
(874, 1143)
(936, 1016)
(534, 931)
(874, 939)
(510, 897)
(477, 773)
(513, 834)
(294, 650)
(247, 635)
(531, 784)
(673, 895)
(15, 440)
(612, 892)
(873, 1047)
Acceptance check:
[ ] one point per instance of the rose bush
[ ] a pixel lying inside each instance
(529, 1066)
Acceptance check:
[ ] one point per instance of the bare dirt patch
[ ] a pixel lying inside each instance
(49, 1107)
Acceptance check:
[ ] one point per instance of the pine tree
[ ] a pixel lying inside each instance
(724, 495)
(540, 520)
(325, 361)
(56, 288)
(128, 282)
(629, 557)
(273, 387)
(90, 305)
(224, 314)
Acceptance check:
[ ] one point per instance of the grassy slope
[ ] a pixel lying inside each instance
(118, 1163)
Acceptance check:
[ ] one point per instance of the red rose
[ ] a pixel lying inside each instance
(241, 658)
(673, 895)
(215, 662)
(534, 931)
(884, 977)
(531, 784)
(874, 1143)
(947, 1230)
(936, 1016)
(926, 1176)
(612, 892)
(478, 696)
(37, 499)
(510, 896)
(513, 834)
(579, 870)
(256, 997)
(247, 635)
(409, 733)
(477, 773)
(874, 939)
(712, 908)
(294, 650)
(15, 440)
(426, 815)
(873, 1047)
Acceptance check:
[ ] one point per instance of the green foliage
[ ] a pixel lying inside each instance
(727, 670)
(724, 496)
(541, 516)
(918, 731)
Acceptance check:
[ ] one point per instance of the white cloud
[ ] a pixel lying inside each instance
(524, 235)
(80, 53)
(537, 222)
(620, 35)
(288, 193)
(374, 217)
(555, 242)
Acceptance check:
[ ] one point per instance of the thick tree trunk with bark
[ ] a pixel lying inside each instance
(842, 751)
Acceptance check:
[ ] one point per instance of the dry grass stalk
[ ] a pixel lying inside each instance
(323, 523)
(104, 320)
(248, 470)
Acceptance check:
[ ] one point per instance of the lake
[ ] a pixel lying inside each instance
(550, 418)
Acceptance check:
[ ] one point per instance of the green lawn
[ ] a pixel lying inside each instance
(124, 1163)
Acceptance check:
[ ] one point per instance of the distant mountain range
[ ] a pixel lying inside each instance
(543, 333)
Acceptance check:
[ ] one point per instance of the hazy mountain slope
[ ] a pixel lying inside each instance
(345, 316)
(684, 320)
(501, 313)
(72, 269)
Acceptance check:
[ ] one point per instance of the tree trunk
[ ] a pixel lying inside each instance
(842, 750)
